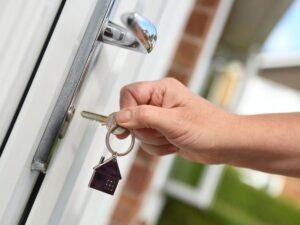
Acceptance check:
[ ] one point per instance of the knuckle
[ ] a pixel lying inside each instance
(179, 123)
(143, 114)
(124, 90)
(172, 81)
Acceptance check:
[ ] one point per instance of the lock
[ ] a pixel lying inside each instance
(66, 122)
(139, 35)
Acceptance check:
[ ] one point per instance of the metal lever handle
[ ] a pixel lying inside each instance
(139, 35)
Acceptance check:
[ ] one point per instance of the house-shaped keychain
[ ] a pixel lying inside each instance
(106, 176)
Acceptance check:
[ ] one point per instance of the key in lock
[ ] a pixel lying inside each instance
(108, 121)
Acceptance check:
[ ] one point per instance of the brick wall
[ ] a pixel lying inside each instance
(182, 67)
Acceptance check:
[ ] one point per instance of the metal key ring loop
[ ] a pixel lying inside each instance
(111, 150)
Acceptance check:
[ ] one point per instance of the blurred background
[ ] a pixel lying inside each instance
(243, 56)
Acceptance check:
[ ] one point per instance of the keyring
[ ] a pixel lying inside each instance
(111, 150)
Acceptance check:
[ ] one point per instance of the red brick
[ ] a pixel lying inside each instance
(126, 211)
(182, 75)
(194, 40)
(198, 23)
(207, 3)
(187, 53)
(138, 179)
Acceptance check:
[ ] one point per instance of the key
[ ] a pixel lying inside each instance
(107, 121)
(96, 117)
(107, 174)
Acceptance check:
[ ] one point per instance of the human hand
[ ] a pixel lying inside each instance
(169, 118)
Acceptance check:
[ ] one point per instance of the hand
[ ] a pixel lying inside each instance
(169, 118)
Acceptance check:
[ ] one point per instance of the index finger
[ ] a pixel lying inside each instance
(139, 93)
(158, 93)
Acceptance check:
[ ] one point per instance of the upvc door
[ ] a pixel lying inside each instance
(62, 195)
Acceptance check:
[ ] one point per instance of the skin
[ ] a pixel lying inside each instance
(169, 118)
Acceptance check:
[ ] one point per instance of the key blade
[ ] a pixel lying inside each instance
(108, 121)
(93, 116)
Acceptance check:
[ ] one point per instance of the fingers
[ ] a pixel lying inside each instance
(148, 136)
(142, 134)
(146, 116)
(154, 141)
(141, 93)
(147, 133)
(159, 150)
(158, 93)
(123, 135)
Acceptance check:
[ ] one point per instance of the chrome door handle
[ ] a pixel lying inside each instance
(139, 35)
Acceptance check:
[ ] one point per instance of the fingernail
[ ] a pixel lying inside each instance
(123, 116)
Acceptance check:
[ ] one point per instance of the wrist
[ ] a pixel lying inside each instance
(227, 138)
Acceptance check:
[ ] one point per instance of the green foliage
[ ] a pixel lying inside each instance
(186, 171)
(256, 203)
(236, 203)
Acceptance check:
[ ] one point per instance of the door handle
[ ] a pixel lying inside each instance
(139, 35)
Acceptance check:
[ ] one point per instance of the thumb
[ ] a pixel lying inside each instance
(146, 116)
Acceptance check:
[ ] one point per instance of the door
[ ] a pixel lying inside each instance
(61, 194)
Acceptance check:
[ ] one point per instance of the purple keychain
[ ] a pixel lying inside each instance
(107, 174)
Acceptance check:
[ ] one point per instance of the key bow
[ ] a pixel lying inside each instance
(113, 128)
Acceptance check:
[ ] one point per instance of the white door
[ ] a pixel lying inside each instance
(62, 195)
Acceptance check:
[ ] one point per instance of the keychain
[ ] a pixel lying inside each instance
(107, 173)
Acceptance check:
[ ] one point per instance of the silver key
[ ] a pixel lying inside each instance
(113, 128)
(108, 121)
(96, 117)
